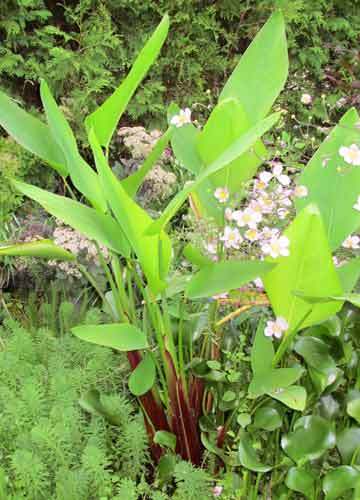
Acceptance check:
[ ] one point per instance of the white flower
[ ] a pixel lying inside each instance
(277, 247)
(306, 99)
(357, 204)
(211, 247)
(276, 328)
(266, 203)
(222, 194)
(351, 154)
(258, 283)
(231, 237)
(256, 206)
(228, 214)
(217, 490)
(265, 177)
(282, 178)
(247, 217)
(301, 191)
(267, 233)
(352, 242)
(183, 118)
(251, 235)
(282, 213)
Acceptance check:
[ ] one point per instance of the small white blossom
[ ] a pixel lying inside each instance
(306, 99)
(357, 204)
(282, 213)
(277, 247)
(247, 217)
(265, 177)
(350, 154)
(231, 237)
(182, 118)
(266, 203)
(252, 235)
(258, 283)
(276, 328)
(222, 194)
(228, 214)
(352, 242)
(217, 491)
(267, 233)
(282, 178)
(211, 247)
(301, 191)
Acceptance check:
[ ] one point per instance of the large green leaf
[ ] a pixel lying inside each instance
(301, 480)
(349, 274)
(43, 249)
(338, 481)
(224, 276)
(247, 455)
(267, 418)
(348, 444)
(294, 397)
(142, 378)
(105, 118)
(332, 184)
(311, 438)
(31, 133)
(262, 70)
(274, 381)
(119, 336)
(309, 269)
(82, 175)
(229, 117)
(88, 221)
(153, 252)
(238, 148)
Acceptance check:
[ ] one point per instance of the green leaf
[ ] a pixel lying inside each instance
(301, 481)
(88, 221)
(132, 183)
(165, 439)
(91, 402)
(334, 187)
(349, 274)
(267, 418)
(105, 118)
(274, 381)
(165, 468)
(193, 254)
(309, 268)
(82, 175)
(142, 378)
(247, 455)
(353, 298)
(44, 249)
(238, 148)
(153, 252)
(294, 397)
(338, 481)
(262, 70)
(348, 444)
(262, 352)
(224, 276)
(311, 438)
(353, 409)
(119, 336)
(31, 133)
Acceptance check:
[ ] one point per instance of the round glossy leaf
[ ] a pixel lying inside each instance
(301, 481)
(294, 397)
(340, 480)
(353, 409)
(143, 377)
(244, 419)
(328, 407)
(311, 438)
(247, 455)
(267, 418)
(348, 443)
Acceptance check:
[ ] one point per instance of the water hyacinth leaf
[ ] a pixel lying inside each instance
(265, 56)
(43, 249)
(142, 378)
(273, 381)
(229, 116)
(333, 184)
(338, 481)
(165, 439)
(238, 148)
(301, 481)
(82, 175)
(311, 438)
(88, 221)
(306, 270)
(348, 444)
(132, 183)
(353, 409)
(153, 252)
(31, 133)
(105, 118)
(349, 274)
(247, 455)
(224, 276)
(267, 418)
(91, 402)
(294, 397)
(119, 336)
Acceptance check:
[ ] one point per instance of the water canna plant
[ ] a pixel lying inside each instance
(174, 369)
